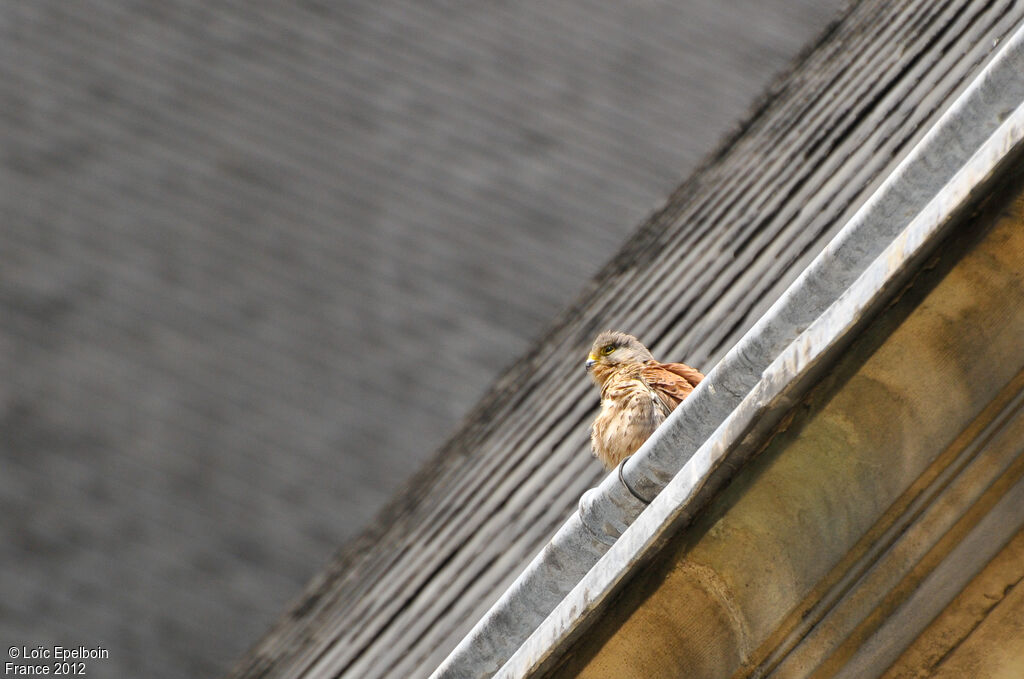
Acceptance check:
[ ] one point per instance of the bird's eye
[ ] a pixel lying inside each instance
(608, 349)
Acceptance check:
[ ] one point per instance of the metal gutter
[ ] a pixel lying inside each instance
(679, 465)
(775, 393)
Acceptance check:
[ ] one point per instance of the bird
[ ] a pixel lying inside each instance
(637, 394)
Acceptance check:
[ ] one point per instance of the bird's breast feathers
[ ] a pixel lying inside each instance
(630, 412)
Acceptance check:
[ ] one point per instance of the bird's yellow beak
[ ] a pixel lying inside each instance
(591, 360)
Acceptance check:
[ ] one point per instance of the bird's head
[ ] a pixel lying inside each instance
(612, 350)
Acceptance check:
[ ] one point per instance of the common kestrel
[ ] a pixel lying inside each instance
(637, 394)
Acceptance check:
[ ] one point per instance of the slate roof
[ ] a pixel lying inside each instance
(240, 239)
(691, 282)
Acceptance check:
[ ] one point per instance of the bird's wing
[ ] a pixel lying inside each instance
(691, 375)
(671, 381)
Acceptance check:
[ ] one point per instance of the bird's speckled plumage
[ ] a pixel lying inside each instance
(637, 394)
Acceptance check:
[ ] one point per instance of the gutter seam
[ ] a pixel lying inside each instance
(625, 484)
